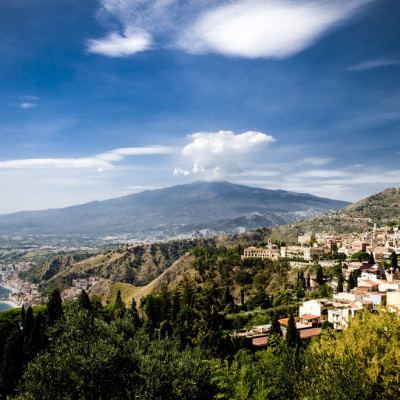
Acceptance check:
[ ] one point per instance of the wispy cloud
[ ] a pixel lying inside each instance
(315, 161)
(383, 61)
(28, 105)
(244, 28)
(28, 97)
(99, 162)
(28, 101)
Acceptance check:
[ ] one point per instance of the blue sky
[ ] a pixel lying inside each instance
(105, 98)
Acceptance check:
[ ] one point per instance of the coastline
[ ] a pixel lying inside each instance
(7, 286)
(11, 303)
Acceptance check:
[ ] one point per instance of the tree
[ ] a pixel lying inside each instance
(135, 315)
(340, 282)
(22, 316)
(371, 259)
(366, 355)
(275, 328)
(320, 275)
(227, 300)
(119, 306)
(176, 305)
(84, 301)
(351, 283)
(393, 261)
(11, 366)
(28, 328)
(54, 306)
(292, 338)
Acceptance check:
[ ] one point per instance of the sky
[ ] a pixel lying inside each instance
(104, 98)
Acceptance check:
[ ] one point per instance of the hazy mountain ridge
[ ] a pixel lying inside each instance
(180, 210)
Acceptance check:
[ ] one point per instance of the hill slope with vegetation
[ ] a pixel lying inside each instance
(134, 264)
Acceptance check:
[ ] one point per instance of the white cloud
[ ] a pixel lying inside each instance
(244, 28)
(27, 105)
(179, 171)
(221, 151)
(270, 29)
(117, 45)
(100, 162)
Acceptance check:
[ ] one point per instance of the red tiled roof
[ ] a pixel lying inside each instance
(309, 333)
(308, 316)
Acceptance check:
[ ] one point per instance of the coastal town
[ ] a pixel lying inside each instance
(27, 294)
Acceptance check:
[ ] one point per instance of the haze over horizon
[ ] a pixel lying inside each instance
(101, 99)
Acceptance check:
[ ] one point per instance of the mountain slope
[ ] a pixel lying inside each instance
(381, 208)
(178, 211)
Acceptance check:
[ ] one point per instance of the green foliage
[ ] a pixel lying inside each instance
(11, 357)
(362, 256)
(362, 362)
(88, 358)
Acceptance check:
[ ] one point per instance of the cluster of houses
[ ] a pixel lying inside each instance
(376, 287)
(23, 293)
(380, 242)
(77, 286)
(27, 294)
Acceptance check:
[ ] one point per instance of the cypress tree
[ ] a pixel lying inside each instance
(28, 322)
(119, 306)
(134, 314)
(320, 276)
(275, 328)
(54, 306)
(351, 282)
(371, 259)
(22, 317)
(340, 283)
(228, 300)
(84, 301)
(292, 334)
(393, 260)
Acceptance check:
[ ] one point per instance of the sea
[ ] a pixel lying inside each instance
(3, 293)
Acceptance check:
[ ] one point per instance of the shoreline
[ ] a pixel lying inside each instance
(11, 303)
(9, 287)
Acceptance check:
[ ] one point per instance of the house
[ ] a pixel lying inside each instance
(317, 307)
(309, 319)
(339, 317)
(262, 253)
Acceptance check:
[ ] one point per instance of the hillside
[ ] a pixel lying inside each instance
(134, 264)
(196, 210)
(382, 208)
